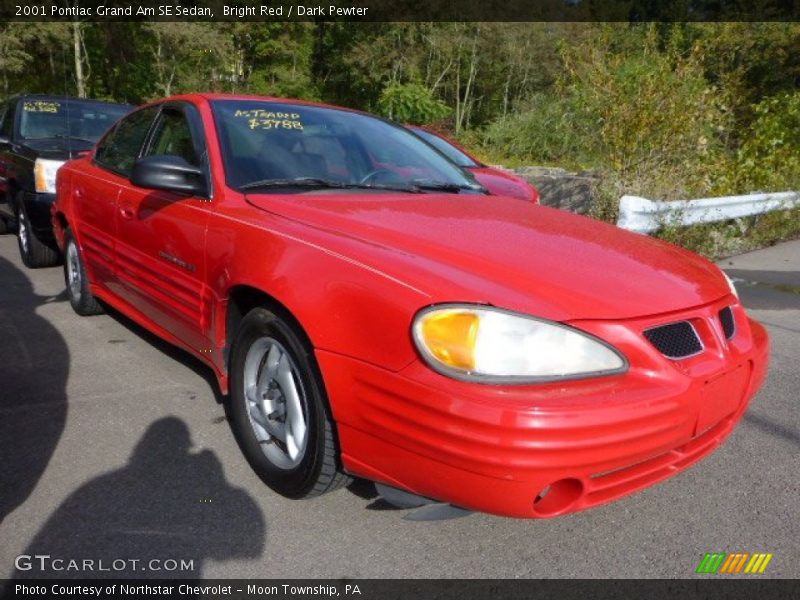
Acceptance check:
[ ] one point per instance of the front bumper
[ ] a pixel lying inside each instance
(583, 443)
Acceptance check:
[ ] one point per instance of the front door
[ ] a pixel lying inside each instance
(161, 238)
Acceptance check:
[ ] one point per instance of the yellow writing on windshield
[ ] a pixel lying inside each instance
(41, 106)
(266, 119)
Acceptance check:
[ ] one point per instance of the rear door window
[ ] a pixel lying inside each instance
(7, 120)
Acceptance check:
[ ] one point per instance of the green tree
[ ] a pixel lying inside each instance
(190, 57)
(275, 59)
(769, 158)
(411, 103)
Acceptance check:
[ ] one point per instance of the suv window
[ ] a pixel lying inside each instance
(7, 120)
(173, 137)
(120, 148)
(67, 117)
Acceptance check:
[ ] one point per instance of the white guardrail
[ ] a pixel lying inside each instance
(643, 215)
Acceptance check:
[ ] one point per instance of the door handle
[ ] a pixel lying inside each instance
(126, 212)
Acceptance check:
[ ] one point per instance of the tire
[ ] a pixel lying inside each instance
(294, 449)
(4, 228)
(35, 254)
(80, 297)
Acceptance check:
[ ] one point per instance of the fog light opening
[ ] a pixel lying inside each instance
(542, 494)
(558, 496)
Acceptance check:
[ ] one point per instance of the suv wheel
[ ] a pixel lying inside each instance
(34, 252)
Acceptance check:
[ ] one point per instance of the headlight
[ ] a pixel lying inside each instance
(491, 345)
(44, 171)
(730, 283)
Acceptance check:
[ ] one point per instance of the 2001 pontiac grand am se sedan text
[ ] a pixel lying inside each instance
(371, 311)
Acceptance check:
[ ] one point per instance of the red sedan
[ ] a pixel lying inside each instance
(371, 312)
(497, 181)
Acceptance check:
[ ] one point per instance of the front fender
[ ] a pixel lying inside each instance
(345, 305)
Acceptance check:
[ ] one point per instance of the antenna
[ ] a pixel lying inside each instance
(68, 137)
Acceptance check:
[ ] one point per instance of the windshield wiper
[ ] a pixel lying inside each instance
(61, 136)
(72, 137)
(435, 186)
(314, 182)
(298, 182)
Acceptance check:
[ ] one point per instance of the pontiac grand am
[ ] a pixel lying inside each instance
(369, 310)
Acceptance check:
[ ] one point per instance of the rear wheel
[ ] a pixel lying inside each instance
(278, 408)
(80, 297)
(35, 253)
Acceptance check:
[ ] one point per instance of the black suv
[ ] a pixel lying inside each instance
(38, 134)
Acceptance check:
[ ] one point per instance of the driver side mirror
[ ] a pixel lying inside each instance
(169, 173)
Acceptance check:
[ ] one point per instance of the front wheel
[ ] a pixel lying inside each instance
(34, 252)
(278, 408)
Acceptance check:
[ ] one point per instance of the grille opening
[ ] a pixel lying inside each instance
(676, 340)
(728, 322)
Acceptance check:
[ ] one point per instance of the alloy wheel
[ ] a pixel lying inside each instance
(275, 402)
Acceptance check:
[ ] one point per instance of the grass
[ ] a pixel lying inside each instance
(726, 238)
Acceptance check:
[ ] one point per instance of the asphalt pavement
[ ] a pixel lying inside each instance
(114, 446)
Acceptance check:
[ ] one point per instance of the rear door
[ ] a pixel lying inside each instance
(161, 235)
(95, 194)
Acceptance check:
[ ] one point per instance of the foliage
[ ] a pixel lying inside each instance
(547, 129)
(274, 59)
(411, 103)
(716, 240)
(13, 53)
(770, 154)
(188, 57)
(666, 110)
(646, 116)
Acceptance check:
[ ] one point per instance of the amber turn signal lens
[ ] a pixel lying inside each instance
(450, 337)
(40, 178)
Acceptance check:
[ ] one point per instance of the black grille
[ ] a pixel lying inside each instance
(676, 340)
(728, 322)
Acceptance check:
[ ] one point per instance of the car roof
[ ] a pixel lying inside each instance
(210, 97)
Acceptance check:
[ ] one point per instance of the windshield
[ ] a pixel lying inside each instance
(273, 144)
(446, 148)
(43, 119)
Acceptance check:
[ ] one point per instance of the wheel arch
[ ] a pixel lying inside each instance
(60, 225)
(13, 188)
(240, 300)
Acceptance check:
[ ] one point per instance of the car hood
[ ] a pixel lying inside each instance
(58, 148)
(503, 184)
(514, 254)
